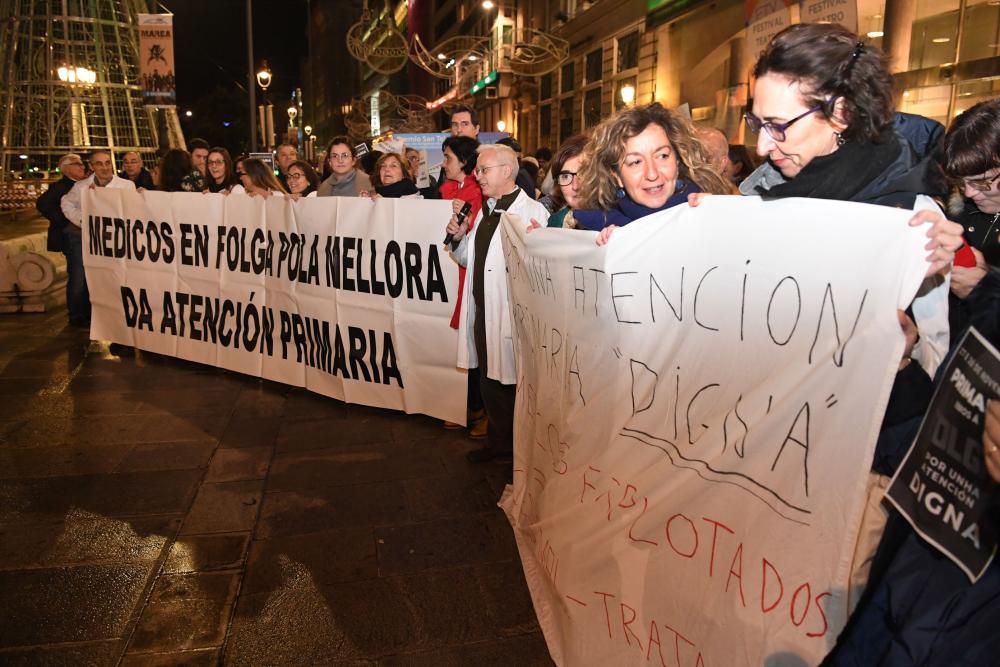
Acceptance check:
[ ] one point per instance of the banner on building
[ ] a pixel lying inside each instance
(697, 410)
(156, 59)
(346, 297)
(769, 17)
(843, 12)
(942, 487)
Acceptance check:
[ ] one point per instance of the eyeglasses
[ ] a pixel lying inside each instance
(340, 156)
(482, 170)
(293, 176)
(775, 130)
(216, 163)
(566, 177)
(982, 184)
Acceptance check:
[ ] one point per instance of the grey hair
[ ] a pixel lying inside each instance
(505, 155)
(66, 158)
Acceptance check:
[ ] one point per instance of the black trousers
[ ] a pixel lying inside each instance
(498, 399)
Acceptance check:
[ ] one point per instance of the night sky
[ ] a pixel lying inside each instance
(211, 59)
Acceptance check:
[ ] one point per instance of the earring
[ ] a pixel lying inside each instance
(840, 138)
(620, 193)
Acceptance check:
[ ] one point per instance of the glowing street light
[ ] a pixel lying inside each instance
(501, 126)
(488, 5)
(70, 74)
(627, 93)
(264, 77)
(308, 129)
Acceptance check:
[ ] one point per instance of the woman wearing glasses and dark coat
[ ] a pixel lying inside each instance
(566, 185)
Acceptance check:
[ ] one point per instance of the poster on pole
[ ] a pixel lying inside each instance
(697, 411)
(942, 487)
(156, 59)
(344, 296)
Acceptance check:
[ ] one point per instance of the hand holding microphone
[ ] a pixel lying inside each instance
(455, 226)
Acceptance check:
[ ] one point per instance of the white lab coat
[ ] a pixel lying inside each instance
(499, 341)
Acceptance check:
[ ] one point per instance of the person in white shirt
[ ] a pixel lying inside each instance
(484, 326)
(77, 295)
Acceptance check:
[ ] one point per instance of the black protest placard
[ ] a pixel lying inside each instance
(942, 487)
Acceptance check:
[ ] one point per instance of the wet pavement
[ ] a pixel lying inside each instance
(158, 512)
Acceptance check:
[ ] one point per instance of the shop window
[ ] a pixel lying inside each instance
(545, 88)
(592, 108)
(931, 102)
(565, 119)
(628, 51)
(935, 30)
(594, 68)
(981, 31)
(566, 78)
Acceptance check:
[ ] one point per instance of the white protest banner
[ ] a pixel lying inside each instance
(697, 409)
(346, 297)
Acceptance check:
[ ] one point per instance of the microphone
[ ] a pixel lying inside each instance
(462, 214)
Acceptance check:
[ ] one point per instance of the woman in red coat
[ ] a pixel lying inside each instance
(460, 187)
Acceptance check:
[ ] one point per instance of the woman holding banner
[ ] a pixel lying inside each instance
(221, 174)
(257, 179)
(392, 178)
(345, 179)
(302, 180)
(641, 161)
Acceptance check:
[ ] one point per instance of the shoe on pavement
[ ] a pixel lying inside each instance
(479, 430)
(451, 426)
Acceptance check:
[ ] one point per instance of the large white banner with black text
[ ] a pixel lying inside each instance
(697, 409)
(346, 297)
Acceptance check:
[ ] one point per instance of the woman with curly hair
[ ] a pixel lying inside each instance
(643, 160)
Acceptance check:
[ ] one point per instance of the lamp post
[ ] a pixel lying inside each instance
(74, 78)
(501, 125)
(309, 145)
(250, 77)
(266, 110)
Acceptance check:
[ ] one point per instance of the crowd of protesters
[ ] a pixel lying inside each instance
(822, 111)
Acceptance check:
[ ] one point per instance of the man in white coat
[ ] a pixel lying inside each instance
(77, 295)
(484, 328)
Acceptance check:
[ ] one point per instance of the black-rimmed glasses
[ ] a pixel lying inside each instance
(775, 130)
(566, 177)
(982, 184)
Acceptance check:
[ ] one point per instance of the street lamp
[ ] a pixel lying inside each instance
(627, 93)
(292, 113)
(266, 111)
(501, 125)
(264, 77)
(76, 78)
(487, 5)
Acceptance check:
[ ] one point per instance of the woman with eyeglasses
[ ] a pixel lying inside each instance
(302, 179)
(643, 160)
(221, 174)
(345, 180)
(565, 170)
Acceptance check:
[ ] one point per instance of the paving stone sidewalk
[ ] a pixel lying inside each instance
(158, 512)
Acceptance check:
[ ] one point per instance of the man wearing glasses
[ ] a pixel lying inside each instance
(77, 295)
(484, 325)
(133, 170)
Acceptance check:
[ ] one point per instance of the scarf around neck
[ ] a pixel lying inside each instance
(397, 189)
(625, 210)
(841, 175)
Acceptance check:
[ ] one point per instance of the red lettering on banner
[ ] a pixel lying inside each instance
(626, 623)
(764, 566)
(645, 504)
(715, 532)
(654, 638)
(822, 613)
(607, 614)
(795, 598)
(694, 532)
(737, 558)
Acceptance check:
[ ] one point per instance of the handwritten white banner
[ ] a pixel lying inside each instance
(345, 297)
(696, 417)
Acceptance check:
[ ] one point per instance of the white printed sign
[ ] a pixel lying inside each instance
(697, 410)
(346, 297)
(843, 12)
